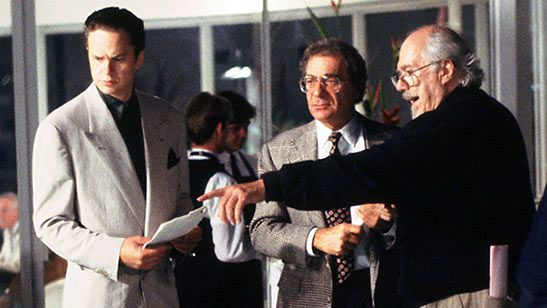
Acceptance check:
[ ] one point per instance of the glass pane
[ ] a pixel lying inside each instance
(289, 40)
(8, 177)
(238, 68)
(383, 29)
(9, 233)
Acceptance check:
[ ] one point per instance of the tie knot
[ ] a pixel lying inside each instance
(334, 137)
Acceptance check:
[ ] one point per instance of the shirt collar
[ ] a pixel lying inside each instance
(351, 132)
(115, 105)
(194, 153)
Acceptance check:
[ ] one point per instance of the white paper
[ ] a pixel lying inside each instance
(498, 271)
(177, 227)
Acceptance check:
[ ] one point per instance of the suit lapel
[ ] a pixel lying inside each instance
(155, 132)
(304, 147)
(107, 142)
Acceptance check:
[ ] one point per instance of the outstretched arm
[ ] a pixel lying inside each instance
(233, 199)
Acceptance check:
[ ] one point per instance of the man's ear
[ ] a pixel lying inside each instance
(140, 59)
(446, 71)
(218, 128)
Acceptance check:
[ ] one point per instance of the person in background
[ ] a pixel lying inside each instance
(532, 268)
(220, 271)
(240, 165)
(329, 262)
(458, 173)
(108, 168)
(10, 260)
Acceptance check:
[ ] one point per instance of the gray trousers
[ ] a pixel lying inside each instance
(477, 299)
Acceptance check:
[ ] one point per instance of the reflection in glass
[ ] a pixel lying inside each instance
(238, 68)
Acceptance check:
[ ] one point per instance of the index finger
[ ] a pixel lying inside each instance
(212, 194)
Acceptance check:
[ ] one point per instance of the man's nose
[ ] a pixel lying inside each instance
(401, 86)
(319, 89)
(109, 66)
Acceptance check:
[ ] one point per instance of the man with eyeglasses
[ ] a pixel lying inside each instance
(326, 263)
(458, 173)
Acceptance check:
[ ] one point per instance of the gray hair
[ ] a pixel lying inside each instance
(444, 42)
(12, 197)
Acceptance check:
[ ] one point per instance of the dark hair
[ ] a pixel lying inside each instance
(356, 66)
(114, 18)
(242, 110)
(203, 113)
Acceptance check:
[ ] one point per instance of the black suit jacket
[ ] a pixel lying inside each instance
(459, 176)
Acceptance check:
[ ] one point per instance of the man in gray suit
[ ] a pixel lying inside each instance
(326, 264)
(109, 167)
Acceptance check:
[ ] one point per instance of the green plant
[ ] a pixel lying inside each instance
(322, 30)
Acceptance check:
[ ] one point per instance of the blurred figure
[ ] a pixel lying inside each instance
(220, 271)
(9, 253)
(239, 164)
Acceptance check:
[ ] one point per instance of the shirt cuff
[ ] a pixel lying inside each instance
(309, 242)
(273, 186)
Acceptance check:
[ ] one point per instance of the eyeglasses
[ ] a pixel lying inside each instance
(407, 77)
(330, 83)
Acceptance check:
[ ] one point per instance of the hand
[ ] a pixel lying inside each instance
(133, 255)
(391, 117)
(234, 198)
(377, 216)
(188, 242)
(338, 240)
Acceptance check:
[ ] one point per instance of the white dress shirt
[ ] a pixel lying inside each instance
(10, 253)
(232, 243)
(353, 140)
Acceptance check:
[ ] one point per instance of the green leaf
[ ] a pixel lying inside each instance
(318, 24)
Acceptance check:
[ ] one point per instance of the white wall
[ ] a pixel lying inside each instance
(59, 12)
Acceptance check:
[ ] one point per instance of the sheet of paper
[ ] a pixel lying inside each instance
(498, 271)
(177, 227)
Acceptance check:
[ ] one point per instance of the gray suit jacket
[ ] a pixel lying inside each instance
(87, 198)
(281, 232)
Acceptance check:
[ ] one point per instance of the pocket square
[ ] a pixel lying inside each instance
(172, 159)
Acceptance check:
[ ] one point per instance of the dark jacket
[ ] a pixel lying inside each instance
(460, 178)
(532, 269)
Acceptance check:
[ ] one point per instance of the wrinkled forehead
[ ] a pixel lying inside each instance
(409, 57)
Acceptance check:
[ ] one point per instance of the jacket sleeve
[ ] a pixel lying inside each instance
(55, 218)
(272, 231)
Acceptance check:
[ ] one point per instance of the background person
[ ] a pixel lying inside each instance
(220, 271)
(10, 260)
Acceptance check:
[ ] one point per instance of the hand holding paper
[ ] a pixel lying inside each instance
(177, 227)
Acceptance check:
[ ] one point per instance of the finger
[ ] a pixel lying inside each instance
(239, 209)
(222, 211)
(212, 194)
(230, 204)
(354, 229)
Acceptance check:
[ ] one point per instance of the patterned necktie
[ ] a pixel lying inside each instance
(344, 264)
